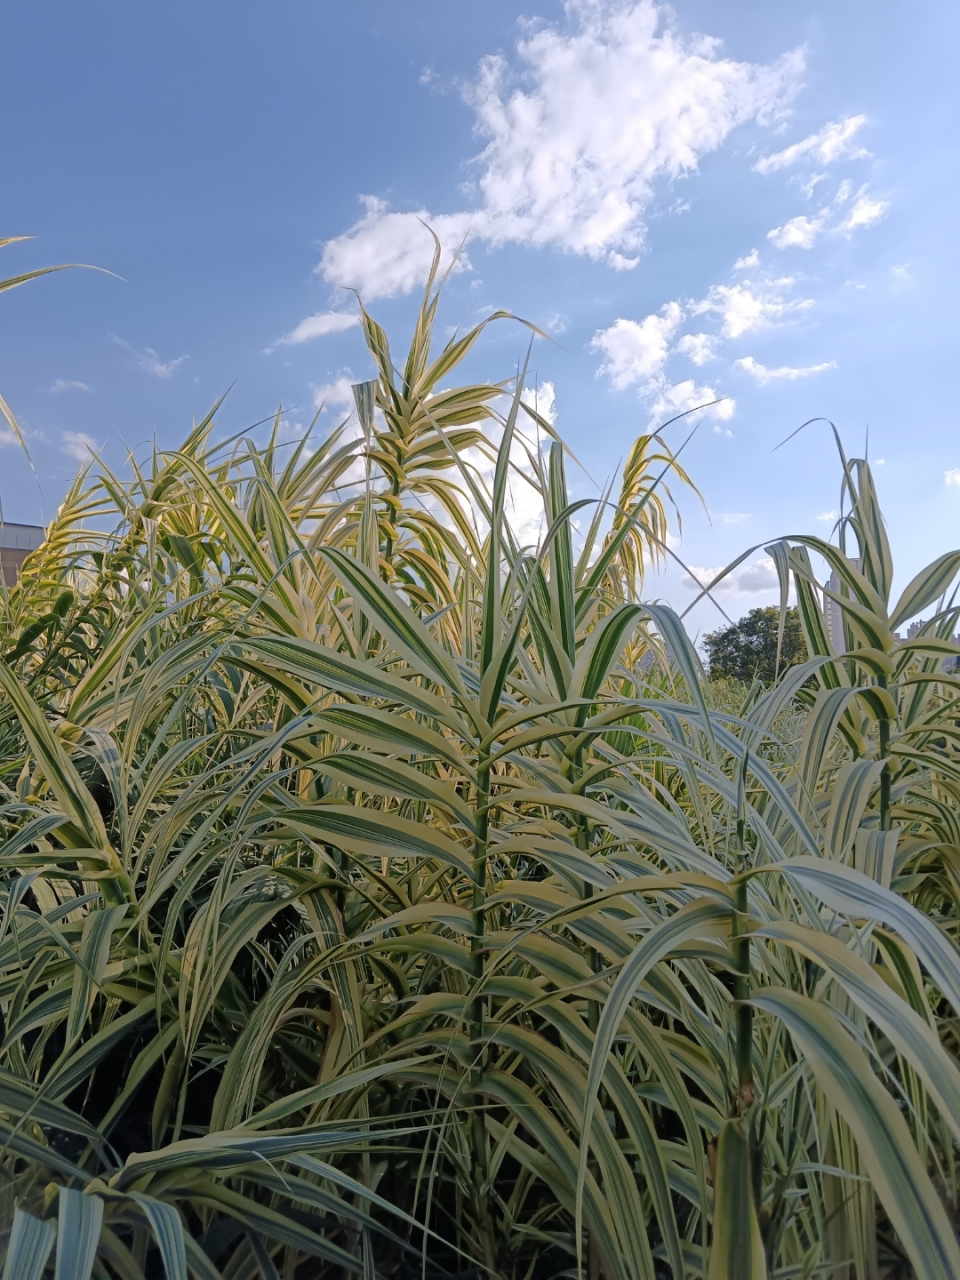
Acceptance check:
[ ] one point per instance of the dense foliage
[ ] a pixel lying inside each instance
(758, 647)
(371, 903)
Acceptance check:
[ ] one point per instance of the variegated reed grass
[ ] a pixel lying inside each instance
(372, 903)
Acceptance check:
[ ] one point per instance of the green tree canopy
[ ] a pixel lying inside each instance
(749, 648)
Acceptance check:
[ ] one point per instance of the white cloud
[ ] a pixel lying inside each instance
(754, 579)
(865, 211)
(785, 373)
(827, 516)
(334, 395)
(79, 445)
(699, 347)
(557, 323)
(801, 232)
(879, 462)
(317, 326)
(635, 351)
(680, 397)
(542, 398)
(7, 438)
(62, 384)
(572, 158)
(832, 142)
(387, 254)
(810, 185)
(149, 361)
(952, 476)
(752, 259)
(745, 308)
(733, 517)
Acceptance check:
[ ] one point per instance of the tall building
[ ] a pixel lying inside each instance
(833, 616)
(16, 543)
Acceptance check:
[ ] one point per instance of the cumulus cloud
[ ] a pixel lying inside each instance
(754, 579)
(698, 347)
(833, 142)
(63, 384)
(574, 152)
(77, 444)
(317, 326)
(635, 351)
(752, 259)
(681, 397)
(801, 233)
(786, 373)
(746, 308)
(952, 476)
(149, 361)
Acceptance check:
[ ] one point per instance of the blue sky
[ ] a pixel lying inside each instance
(751, 199)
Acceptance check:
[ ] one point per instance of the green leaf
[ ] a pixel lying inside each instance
(698, 919)
(168, 1232)
(339, 673)
(28, 1248)
(78, 1234)
(395, 620)
(853, 894)
(367, 831)
(913, 1037)
(736, 1252)
(928, 585)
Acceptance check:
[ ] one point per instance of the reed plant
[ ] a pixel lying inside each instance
(382, 895)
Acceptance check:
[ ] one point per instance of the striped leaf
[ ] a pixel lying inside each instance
(883, 1138)
(78, 1234)
(28, 1247)
(736, 1252)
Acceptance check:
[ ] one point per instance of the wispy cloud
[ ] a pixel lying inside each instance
(148, 360)
(833, 142)
(317, 326)
(77, 444)
(785, 373)
(733, 517)
(752, 259)
(952, 476)
(803, 232)
(747, 308)
(63, 384)
(864, 213)
(575, 170)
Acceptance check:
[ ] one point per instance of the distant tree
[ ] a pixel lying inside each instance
(750, 648)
